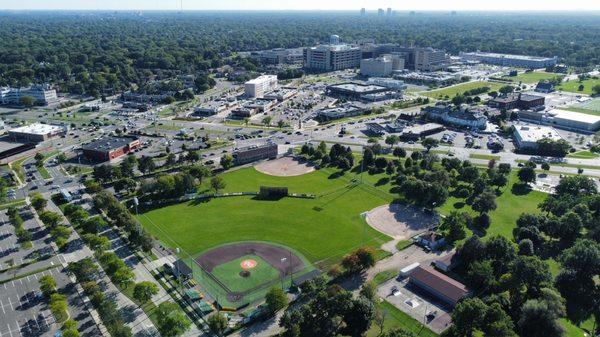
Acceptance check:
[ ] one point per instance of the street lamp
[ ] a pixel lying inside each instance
(283, 259)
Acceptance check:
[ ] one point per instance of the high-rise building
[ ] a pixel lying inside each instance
(261, 85)
(380, 12)
(389, 11)
(381, 66)
(363, 11)
(40, 94)
(422, 59)
(332, 57)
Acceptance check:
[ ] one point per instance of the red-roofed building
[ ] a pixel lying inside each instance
(438, 284)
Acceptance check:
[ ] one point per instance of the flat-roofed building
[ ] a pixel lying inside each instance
(279, 56)
(437, 284)
(517, 101)
(254, 153)
(37, 132)
(261, 85)
(509, 60)
(416, 132)
(389, 83)
(527, 136)
(332, 57)
(354, 91)
(573, 120)
(109, 148)
(41, 94)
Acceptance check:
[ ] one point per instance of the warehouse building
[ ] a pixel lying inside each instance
(37, 132)
(508, 60)
(527, 136)
(109, 148)
(573, 120)
(354, 91)
(437, 284)
(254, 153)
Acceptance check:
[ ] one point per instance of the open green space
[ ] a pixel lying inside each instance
(583, 155)
(573, 86)
(459, 89)
(532, 77)
(395, 318)
(229, 273)
(483, 156)
(322, 229)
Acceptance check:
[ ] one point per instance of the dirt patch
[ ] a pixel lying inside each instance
(285, 167)
(400, 221)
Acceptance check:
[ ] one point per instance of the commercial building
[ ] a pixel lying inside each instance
(389, 83)
(375, 128)
(261, 104)
(214, 107)
(279, 56)
(437, 78)
(517, 101)
(332, 57)
(281, 94)
(437, 284)
(572, 120)
(381, 66)
(261, 85)
(341, 111)
(508, 60)
(254, 153)
(420, 131)
(40, 94)
(109, 148)
(461, 117)
(354, 91)
(37, 132)
(422, 59)
(527, 136)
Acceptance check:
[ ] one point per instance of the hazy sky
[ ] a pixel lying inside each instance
(303, 4)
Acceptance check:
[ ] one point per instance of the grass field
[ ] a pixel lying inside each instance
(573, 86)
(583, 155)
(459, 89)
(320, 229)
(395, 318)
(532, 77)
(229, 273)
(483, 156)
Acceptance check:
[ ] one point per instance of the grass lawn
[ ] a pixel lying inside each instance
(395, 318)
(229, 273)
(573, 86)
(532, 77)
(483, 156)
(571, 329)
(459, 89)
(324, 228)
(583, 155)
(384, 276)
(43, 172)
(17, 166)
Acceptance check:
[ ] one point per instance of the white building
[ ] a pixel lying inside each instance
(258, 87)
(572, 120)
(332, 57)
(41, 94)
(389, 83)
(527, 136)
(510, 60)
(382, 66)
(37, 132)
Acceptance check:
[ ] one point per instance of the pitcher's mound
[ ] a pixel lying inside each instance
(284, 167)
(400, 221)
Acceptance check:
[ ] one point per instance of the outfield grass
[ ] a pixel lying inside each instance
(324, 228)
(395, 318)
(531, 77)
(583, 155)
(573, 86)
(459, 89)
(229, 274)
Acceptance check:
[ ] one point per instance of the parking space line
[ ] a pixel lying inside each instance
(9, 329)
(4, 311)
(10, 302)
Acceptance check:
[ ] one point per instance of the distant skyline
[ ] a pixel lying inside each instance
(370, 5)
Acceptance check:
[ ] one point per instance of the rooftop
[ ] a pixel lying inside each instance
(529, 133)
(439, 282)
(108, 143)
(510, 56)
(358, 88)
(38, 129)
(574, 116)
(262, 78)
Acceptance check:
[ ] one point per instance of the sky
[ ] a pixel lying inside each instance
(510, 5)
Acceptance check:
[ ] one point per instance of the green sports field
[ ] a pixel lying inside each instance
(573, 86)
(532, 77)
(322, 229)
(229, 273)
(459, 89)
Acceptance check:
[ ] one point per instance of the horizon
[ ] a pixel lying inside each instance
(304, 6)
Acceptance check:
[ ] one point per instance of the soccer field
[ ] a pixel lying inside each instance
(324, 228)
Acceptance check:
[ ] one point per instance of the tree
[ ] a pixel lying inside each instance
(27, 101)
(276, 299)
(485, 202)
(392, 140)
(143, 291)
(172, 321)
(50, 219)
(217, 323)
(217, 184)
(481, 275)
(507, 89)
(226, 161)
(369, 290)
(37, 201)
(596, 89)
(280, 124)
(123, 276)
(47, 285)
(526, 174)
(454, 225)
(539, 320)
(146, 164)
(398, 332)
(267, 121)
(545, 166)
(428, 143)
(399, 152)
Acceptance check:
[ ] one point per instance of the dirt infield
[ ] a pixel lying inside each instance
(272, 254)
(400, 221)
(284, 167)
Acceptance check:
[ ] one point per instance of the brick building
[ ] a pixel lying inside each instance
(109, 148)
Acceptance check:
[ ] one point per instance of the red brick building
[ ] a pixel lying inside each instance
(109, 148)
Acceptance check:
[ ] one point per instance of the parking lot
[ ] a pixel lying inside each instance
(23, 307)
(416, 303)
